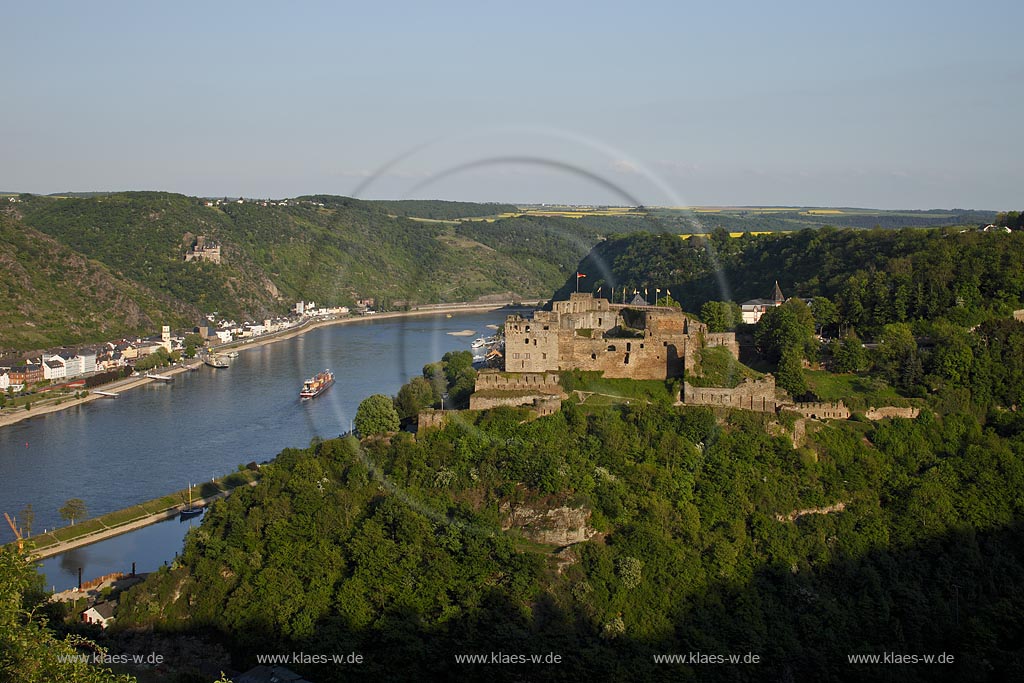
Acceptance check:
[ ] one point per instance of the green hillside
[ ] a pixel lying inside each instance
(51, 294)
(322, 248)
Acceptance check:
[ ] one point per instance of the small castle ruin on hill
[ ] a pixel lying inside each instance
(203, 250)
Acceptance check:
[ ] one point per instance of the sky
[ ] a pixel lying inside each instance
(898, 104)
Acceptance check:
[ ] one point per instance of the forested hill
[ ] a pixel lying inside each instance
(50, 293)
(442, 210)
(322, 248)
(874, 276)
(716, 537)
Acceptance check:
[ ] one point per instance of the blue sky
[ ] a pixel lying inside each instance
(889, 105)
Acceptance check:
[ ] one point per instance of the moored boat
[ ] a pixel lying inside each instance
(191, 510)
(314, 386)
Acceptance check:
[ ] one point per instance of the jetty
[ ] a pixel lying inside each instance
(159, 378)
(106, 394)
(144, 514)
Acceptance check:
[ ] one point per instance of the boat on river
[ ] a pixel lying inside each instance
(314, 386)
(216, 361)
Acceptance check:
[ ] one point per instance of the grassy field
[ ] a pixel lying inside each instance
(612, 389)
(858, 392)
(720, 369)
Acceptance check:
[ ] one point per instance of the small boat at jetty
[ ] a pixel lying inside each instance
(191, 510)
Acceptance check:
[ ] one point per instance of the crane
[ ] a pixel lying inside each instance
(17, 534)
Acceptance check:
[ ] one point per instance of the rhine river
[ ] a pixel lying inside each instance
(159, 437)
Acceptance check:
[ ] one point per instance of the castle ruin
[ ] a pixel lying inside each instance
(622, 341)
(203, 250)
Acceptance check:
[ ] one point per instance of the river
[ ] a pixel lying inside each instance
(157, 438)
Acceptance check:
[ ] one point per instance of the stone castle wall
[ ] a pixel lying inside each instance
(431, 419)
(539, 382)
(542, 404)
(726, 339)
(891, 411)
(757, 395)
(820, 410)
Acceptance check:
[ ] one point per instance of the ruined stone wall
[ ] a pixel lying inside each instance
(757, 395)
(431, 419)
(820, 410)
(543, 404)
(539, 382)
(726, 339)
(891, 411)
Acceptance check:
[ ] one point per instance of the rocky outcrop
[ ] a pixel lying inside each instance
(556, 526)
(797, 514)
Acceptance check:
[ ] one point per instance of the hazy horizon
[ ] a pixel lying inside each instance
(4, 192)
(907, 106)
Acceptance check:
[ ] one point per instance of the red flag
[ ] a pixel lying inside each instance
(579, 275)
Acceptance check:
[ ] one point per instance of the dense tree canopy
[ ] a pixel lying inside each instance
(376, 415)
(397, 552)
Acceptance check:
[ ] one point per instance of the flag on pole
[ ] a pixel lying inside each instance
(578, 276)
(668, 291)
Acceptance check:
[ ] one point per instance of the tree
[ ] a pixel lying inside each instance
(789, 327)
(849, 354)
(455, 362)
(721, 316)
(897, 355)
(28, 518)
(414, 396)
(376, 415)
(790, 375)
(73, 509)
(31, 652)
(434, 374)
(826, 313)
(667, 300)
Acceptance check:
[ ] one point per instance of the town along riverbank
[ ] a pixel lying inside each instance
(13, 416)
